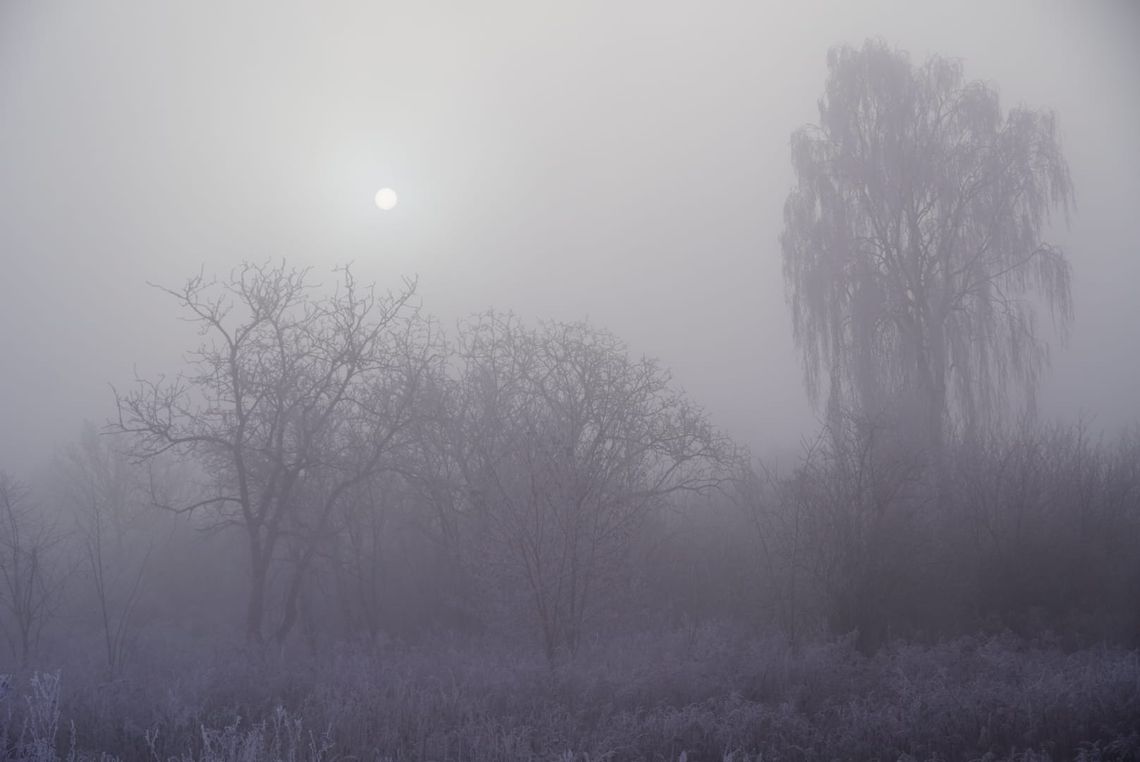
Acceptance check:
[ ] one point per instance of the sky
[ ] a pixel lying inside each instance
(621, 162)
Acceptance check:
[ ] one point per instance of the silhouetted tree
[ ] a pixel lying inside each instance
(861, 498)
(31, 576)
(912, 241)
(107, 497)
(295, 399)
(567, 445)
(776, 513)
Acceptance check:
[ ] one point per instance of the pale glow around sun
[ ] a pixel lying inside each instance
(386, 199)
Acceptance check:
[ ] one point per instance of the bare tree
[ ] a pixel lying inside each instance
(108, 497)
(912, 241)
(294, 399)
(1049, 517)
(776, 512)
(568, 444)
(31, 577)
(862, 502)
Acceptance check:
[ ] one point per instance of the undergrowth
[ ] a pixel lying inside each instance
(705, 693)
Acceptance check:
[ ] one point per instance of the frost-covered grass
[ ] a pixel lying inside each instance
(706, 693)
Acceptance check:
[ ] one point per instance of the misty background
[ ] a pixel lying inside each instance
(625, 163)
(448, 520)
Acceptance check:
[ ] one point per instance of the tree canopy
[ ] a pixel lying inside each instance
(293, 400)
(912, 244)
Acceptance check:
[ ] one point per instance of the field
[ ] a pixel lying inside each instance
(699, 693)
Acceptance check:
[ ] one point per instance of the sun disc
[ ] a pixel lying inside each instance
(386, 199)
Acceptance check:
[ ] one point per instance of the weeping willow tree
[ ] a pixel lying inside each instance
(912, 244)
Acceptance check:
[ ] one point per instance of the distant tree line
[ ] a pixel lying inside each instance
(352, 448)
(534, 482)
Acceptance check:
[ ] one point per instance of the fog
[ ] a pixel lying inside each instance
(623, 164)
(740, 382)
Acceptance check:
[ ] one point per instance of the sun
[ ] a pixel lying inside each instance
(386, 199)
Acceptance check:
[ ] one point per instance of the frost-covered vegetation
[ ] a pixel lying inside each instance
(1003, 619)
(707, 692)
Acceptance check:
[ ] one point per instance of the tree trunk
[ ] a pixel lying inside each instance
(255, 607)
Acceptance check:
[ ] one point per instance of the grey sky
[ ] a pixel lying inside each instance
(625, 162)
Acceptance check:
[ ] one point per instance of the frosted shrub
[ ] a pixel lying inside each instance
(280, 738)
(720, 695)
(41, 725)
